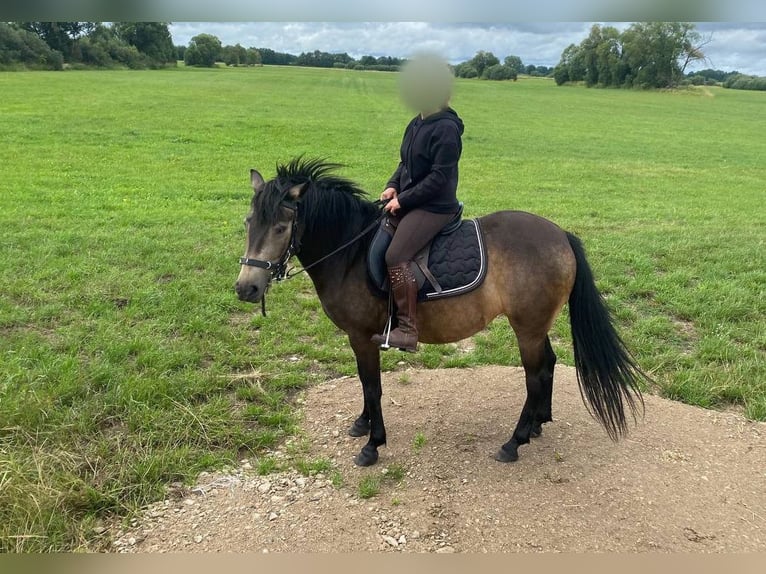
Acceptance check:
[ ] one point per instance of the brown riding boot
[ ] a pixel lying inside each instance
(404, 288)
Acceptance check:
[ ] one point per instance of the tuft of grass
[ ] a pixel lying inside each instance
(396, 501)
(404, 379)
(394, 472)
(369, 486)
(312, 467)
(337, 479)
(267, 465)
(419, 441)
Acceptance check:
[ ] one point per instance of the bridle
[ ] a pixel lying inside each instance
(278, 268)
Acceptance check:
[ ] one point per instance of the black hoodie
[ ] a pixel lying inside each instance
(427, 174)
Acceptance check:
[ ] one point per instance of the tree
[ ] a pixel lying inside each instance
(203, 50)
(253, 57)
(272, 58)
(483, 60)
(61, 36)
(234, 55)
(180, 51)
(150, 38)
(658, 53)
(571, 67)
(22, 47)
(647, 54)
(515, 64)
(499, 72)
(104, 49)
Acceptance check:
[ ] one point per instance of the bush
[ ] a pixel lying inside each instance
(21, 48)
(466, 70)
(743, 82)
(499, 72)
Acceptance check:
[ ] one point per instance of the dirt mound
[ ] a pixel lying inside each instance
(685, 480)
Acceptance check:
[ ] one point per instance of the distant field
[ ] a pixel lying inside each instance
(126, 361)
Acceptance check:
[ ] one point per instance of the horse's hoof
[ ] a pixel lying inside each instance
(366, 457)
(505, 456)
(536, 431)
(357, 429)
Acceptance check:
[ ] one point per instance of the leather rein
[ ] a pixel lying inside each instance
(278, 268)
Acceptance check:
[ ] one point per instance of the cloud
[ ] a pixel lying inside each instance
(740, 46)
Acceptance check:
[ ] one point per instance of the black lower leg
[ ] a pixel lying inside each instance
(545, 413)
(361, 426)
(371, 419)
(533, 357)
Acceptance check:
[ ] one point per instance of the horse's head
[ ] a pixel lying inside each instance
(270, 226)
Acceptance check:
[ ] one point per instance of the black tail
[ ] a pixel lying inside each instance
(606, 372)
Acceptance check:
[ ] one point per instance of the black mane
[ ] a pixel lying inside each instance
(331, 210)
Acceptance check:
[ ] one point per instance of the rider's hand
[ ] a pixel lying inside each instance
(392, 206)
(389, 193)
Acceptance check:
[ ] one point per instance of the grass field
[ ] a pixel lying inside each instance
(126, 361)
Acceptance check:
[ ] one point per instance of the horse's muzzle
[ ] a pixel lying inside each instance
(248, 292)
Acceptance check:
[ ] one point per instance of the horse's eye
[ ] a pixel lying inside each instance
(280, 229)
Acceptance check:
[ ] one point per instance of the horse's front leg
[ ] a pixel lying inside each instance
(371, 419)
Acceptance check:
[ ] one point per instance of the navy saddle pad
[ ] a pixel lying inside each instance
(455, 259)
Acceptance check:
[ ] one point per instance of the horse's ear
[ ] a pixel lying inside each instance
(256, 179)
(297, 191)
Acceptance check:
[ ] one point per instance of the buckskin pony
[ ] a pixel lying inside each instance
(533, 269)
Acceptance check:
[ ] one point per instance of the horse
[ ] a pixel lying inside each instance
(534, 269)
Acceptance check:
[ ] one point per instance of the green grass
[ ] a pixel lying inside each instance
(127, 363)
(419, 441)
(369, 486)
(314, 466)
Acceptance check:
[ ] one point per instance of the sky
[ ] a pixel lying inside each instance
(734, 46)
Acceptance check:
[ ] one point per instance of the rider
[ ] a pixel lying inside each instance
(421, 193)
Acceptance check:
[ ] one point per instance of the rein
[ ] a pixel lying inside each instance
(279, 270)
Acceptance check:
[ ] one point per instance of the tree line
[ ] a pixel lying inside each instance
(207, 50)
(487, 66)
(50, 45)
(645, 55)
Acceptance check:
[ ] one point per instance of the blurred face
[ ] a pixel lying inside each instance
(425, 83)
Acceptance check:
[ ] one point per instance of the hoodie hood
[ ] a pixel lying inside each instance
(446, 114)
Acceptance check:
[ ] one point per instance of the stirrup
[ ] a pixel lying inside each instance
(384, 346)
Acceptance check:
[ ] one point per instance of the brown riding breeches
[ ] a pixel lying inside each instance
(413, 233)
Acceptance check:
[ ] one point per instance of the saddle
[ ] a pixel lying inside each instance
(454, 263)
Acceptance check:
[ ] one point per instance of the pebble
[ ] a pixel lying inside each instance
(189, 502)
(264, 488)
(445, 550)
(402, 539)
(99, 530)
(198, 539)
(273, 516)
(390, 540)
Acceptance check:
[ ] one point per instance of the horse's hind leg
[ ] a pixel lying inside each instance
(538, 360)
(545, 414)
